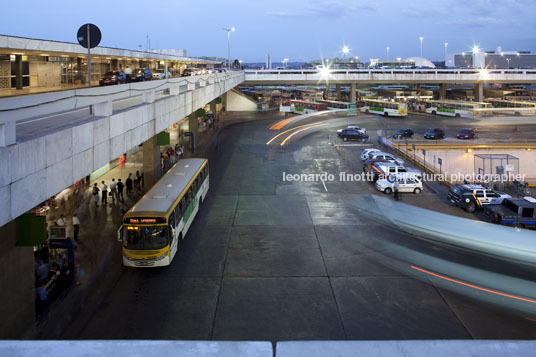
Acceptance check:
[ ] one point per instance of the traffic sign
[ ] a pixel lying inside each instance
(423, 152)
(91, 32)
(439, 161)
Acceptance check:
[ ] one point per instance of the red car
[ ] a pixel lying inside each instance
(466, 134)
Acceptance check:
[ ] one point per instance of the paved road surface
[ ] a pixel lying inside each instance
(273, 260)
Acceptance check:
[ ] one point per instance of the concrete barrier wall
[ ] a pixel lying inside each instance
(460, 348)
(32, 171)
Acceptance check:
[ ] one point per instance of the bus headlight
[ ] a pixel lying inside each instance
(163, 255)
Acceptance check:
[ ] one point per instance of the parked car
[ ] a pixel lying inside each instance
(471, 197)
(386, 157)
(466, 134)
(516, 212)
(113, 77)
(434, 134)
(406, 183)
(365, 153)
(361, 130)
(160, 74)
(187, 72)
(352, 134)
(141, 74)
(403, 133)
(384, 169)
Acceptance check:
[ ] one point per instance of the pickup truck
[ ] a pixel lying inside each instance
(516, 212)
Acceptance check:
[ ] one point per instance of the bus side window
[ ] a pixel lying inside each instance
(178, 214)
(171, 220)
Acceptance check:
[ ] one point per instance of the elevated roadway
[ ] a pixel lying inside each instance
(389, 76)
(49, 141)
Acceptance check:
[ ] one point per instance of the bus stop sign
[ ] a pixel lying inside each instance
(94, 36)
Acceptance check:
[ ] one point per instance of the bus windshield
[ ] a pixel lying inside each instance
(145, 238)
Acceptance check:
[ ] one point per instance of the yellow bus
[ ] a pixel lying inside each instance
(154, 227)
(456, 108)
(384, 107)
(515, 106)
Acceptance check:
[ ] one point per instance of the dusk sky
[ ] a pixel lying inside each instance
(299, 30)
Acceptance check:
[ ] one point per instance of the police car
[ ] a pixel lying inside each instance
(471, 197)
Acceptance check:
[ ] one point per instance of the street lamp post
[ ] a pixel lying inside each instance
(387, 53)
(421, 38)
(229, 45)
(285, 62)
(508, 61)
(446, 44)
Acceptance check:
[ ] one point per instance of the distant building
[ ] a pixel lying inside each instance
(268, 62)
(496, 59)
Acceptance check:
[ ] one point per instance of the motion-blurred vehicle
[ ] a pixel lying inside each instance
(466, 134)
(113, 77)
(403, 133)
(434, 134)
(471, 197)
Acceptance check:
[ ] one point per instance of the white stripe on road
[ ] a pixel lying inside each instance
(323, 183)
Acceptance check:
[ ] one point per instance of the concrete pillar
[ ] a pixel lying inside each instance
(213, 108)
(18, 71)
(151, 162)
(104, 109)
(326, 91)
(224, 102)
(193, 126)
(338, 91)
(352, 93)
(478, 90)
(8, 134)
(442, 91)
(17, 303)
(148, 97)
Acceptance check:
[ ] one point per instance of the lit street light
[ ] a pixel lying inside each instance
(446, 44)
(387, 53)
(345, 50)
(229, 45)
(421, 38)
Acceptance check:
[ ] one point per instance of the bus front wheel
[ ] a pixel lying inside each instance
(385, 114)
(434, 112)
(457, 115)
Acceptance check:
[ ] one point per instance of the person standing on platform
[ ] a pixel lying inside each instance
(104, 190)
(113, 190)
(128, 184)
(95, 193)
(76, 226)
(61, 221)
(396, 188)
(120, 187)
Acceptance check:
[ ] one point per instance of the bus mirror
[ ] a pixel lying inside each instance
(120, 234)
